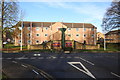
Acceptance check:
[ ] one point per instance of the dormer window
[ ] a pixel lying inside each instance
(37, 28)
(77, 29)
(46, 28)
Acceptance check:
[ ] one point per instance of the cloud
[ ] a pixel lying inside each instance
(91, 10)
(67, 0)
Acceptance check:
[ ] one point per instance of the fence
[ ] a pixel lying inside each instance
(68, 43)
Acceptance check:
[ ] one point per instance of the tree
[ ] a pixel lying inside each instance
(111, 18)
(9, 16)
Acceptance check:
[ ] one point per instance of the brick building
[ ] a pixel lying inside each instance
(37, 32)
(113, 36)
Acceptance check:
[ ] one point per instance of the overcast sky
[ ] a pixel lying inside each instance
(77, 12)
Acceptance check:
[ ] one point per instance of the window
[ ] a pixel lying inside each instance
(92, 29)
(58, 28)
(84, 29)
(77, 35)
(37, 34)
(84, 35)
(29, 41)
(77, 29)
(19, 41)
(28, 35)
(69, 34)
(37, 28)
(69, 29)
(92, 35)
(45, 41)
(37, 41)
(46, 28)
(28, 28)
(46, 34)
(19, 35)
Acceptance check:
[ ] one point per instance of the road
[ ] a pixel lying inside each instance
(73, 65)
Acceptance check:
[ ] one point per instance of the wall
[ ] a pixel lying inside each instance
(55, 34)
(56, 44)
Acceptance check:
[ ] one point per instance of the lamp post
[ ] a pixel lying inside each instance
(21, 36)
(63, 38)
(104, 42)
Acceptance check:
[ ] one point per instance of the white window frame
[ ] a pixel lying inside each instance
(28, 28)
(46, 35)
(28, 34)
(46, 28)
(19, 41)
(19, 35)
(85, 35)
(37, 35)
(77, 35)
(92, 29)
(69, 29)
(84, 29)
(37, 28)
(38, 41)
(92, 35)
(69, 35)
(28, 41)
(77, 29)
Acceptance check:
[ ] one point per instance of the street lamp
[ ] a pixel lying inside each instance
(63, 38)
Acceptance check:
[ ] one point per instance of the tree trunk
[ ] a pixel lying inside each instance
(1, 27)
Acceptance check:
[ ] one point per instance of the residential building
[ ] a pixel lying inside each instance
(38, 32)
(100, 35)
(113, 36)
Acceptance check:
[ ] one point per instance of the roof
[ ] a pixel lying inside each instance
(79, 25)
(48, 24)
(113, 32)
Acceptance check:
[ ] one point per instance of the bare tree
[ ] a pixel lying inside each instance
(9, 15)
(111, 18)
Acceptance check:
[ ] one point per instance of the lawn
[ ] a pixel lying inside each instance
(8, 46)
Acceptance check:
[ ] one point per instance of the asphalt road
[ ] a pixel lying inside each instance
(73, 65)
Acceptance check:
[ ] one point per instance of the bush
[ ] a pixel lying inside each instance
(113, 46)
(68, 49)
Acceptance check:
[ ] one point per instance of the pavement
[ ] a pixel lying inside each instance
(73, 65)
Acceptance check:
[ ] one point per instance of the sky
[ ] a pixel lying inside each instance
(71, 12)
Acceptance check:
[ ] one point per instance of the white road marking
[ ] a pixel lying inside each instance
(8, 58)
(40, 58)
(48, 57)
(23, 65)
(33, 58)
(68, 57)
(21, 58)
(87, 61)
(115, 74)
(76, 57)
(35, 54)
(61, 57)
(35, 71)
(1, 58)
(14, 61)
(53, 57)
(39, 54)
(86, 71)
